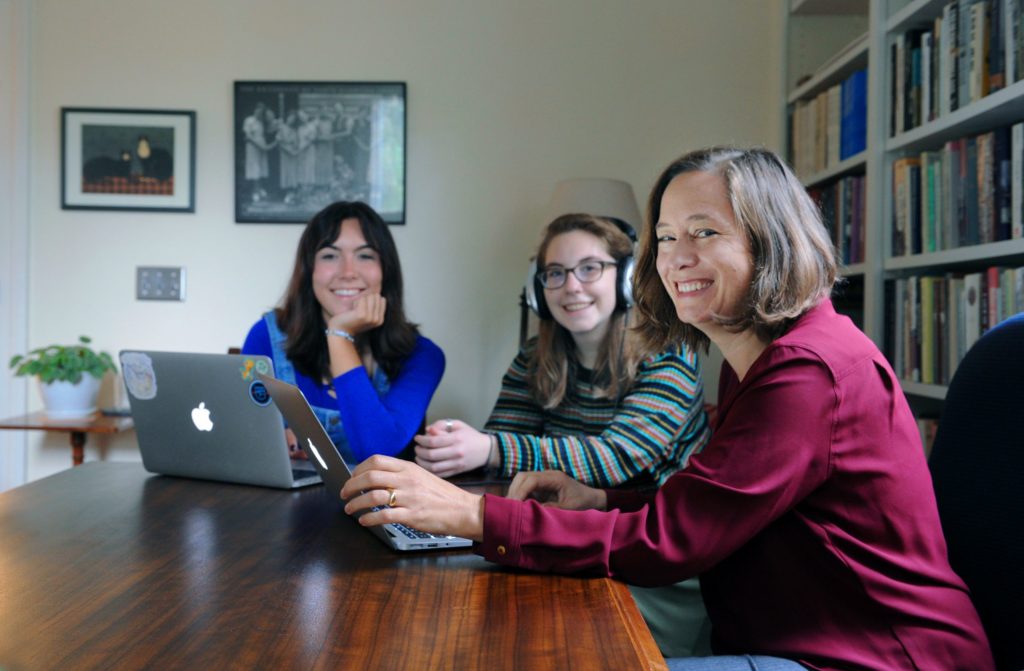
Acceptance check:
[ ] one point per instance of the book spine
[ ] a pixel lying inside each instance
(996, 40)
(927, 330)
(963, 54)
(972, 309)
(835, 110)
(926, 77)
(1017, 180)
(900, 77)
(971, 214)
(845, 117)
(914, 207)
(915, 90)
(1009, 42)
(993, 304)
(951, 33)
(1002, 183)
(985, 164)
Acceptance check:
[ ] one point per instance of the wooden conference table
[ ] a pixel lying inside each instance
(107, 566)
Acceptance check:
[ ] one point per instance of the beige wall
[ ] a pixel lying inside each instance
(504, 99)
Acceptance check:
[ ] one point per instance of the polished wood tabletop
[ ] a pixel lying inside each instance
(107, 566)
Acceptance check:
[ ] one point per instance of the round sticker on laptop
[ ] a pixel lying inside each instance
(139, 377)
(258, 393)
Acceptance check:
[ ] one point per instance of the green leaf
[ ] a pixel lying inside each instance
(65, 363)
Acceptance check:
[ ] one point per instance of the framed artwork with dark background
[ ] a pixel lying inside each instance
(128, 159)
(300, 146)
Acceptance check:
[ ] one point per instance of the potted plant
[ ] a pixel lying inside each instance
(69, 376)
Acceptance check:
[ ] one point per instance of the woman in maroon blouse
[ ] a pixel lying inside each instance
(810, 515)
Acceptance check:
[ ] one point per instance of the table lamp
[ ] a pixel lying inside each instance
(609, 198)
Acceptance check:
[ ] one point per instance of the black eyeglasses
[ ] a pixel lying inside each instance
(586, 272)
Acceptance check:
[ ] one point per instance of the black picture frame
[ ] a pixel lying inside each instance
(128, 159)
(300, 146)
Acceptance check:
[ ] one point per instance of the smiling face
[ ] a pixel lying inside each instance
(704, 257)
(345, 270)
(583, 309)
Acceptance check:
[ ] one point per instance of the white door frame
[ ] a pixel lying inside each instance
(15, 38)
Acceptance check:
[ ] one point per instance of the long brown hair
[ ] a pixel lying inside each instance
(553, 366)
(301, 316)
(794, 260)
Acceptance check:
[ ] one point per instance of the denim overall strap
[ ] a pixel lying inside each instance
(329, 418)
(283, 369)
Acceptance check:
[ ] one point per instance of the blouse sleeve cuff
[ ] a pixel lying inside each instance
(502, 530)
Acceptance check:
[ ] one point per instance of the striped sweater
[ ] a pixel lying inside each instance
(642, 440)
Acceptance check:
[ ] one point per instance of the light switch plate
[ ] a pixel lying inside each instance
(159, 283)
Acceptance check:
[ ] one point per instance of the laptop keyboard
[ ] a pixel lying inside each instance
(409, 532)
(416, 533)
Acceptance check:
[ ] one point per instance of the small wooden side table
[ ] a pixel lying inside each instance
(78, 428)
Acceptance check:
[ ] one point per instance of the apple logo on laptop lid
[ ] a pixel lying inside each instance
(201, 417)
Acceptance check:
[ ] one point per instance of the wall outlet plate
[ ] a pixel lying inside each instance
(159, 283)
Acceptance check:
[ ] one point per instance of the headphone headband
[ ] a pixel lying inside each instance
(623, 280)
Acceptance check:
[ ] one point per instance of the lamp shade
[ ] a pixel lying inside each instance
(609, 198)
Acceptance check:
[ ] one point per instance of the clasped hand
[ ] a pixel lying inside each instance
(367, 313)
(447, 451)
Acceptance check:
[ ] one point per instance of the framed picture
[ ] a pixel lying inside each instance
(300, 146)
(128, 159)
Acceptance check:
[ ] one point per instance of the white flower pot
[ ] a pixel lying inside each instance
(64, 400)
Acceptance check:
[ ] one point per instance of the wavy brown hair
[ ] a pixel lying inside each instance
(301, 316)
(793, 257)
(553, 365)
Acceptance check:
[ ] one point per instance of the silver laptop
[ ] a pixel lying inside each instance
(335, 472)
(208, 416)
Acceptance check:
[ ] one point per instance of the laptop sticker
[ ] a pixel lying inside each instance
(139, 377)
(259, 394)
(248, 366)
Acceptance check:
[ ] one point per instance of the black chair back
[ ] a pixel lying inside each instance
(977, 465)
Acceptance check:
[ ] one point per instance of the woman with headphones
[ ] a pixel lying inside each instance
(587, 398)
(584, 396)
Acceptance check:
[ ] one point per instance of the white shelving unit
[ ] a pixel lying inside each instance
(823, 7)
(827, 41)
(856, 164)
(852, 57)
(884, 20)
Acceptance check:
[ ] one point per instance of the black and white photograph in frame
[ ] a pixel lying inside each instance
(127, 159)
(300, 146)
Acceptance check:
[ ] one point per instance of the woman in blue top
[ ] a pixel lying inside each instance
(341, 335)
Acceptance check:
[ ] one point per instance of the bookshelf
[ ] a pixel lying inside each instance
(926, 332)
(827, 59)
(899, 42)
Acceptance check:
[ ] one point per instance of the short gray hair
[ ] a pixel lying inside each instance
(794, 258)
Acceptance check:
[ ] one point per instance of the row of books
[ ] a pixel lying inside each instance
(970, 191)
(830, 127)
(932, 320)
(974, 48)
(842, 205)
